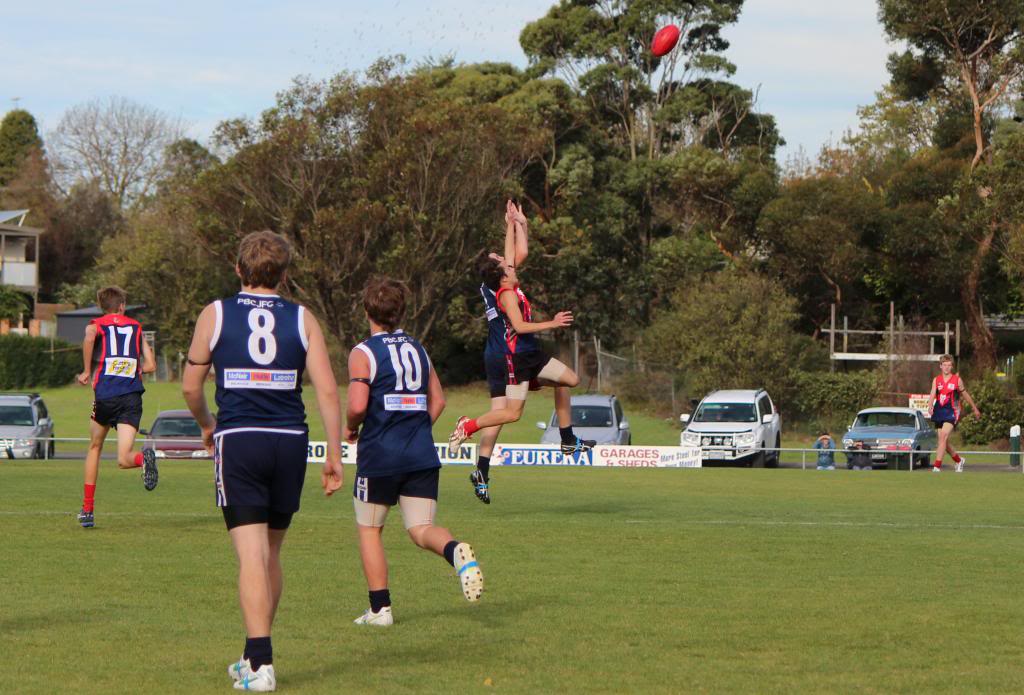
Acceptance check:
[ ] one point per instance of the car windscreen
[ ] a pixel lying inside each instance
(176, 427)
(16, 415)
(726, 412)
(886, 420)
(588, 416)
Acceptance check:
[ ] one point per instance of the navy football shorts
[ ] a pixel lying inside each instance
(119, 410)
(941, 415)
(503, 370)
(386, 489)
(258, 473)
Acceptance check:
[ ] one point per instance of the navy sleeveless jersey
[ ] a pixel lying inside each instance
(118, 368)
(259, 353)
(496, 345)
(396, 434)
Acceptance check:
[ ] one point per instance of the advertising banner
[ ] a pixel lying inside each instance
(647, 456)
(317, 453)
(919, 401)
(538, 455)
(608, 456)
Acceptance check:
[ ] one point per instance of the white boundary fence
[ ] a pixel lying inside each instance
(602, 456)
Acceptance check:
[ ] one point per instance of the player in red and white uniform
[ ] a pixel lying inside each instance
(945, 410)
(123, 357)
(527, 364)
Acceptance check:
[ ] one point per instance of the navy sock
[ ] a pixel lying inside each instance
(449, 552)
(258, 651)
(568, 436)
(483, 464)
(380, 599)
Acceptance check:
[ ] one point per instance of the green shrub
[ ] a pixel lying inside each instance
(827, 397)
(1000, 411)
(28, 363)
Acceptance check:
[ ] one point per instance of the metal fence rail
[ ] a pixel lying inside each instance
(807, 455)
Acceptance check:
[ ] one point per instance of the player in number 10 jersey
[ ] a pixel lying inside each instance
(394, 397)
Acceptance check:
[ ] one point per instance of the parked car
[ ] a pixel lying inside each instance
(593, 417)
(26, 429)
(892, 436)
(735, 427)
(175, 434)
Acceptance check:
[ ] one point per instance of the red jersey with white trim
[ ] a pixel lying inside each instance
(515, 342)
(947, 394)
(119, 365)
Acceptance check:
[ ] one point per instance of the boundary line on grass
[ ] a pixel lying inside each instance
(684, 522)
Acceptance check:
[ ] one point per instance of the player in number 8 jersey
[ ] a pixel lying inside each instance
(394, 396)
(260, 345)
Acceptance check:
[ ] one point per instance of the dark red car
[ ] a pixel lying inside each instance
(175, 435)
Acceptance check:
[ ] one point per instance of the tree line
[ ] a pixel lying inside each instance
(659, 212)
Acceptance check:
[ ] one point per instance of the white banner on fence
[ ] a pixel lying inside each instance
(609, 456)
(647, 456)
(317, 453)
(538, 455)
(919, 401)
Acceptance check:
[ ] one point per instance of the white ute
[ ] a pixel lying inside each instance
(735, 427)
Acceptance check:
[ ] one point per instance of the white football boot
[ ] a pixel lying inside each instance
(469, 572)
(959, 467)
(260, 681)
(383, 618)
(240, 669)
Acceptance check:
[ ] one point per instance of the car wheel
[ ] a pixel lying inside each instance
(629, 440)
(758, 459)
(52, 449)
(773, 460)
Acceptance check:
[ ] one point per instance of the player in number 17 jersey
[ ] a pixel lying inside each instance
(114, 357)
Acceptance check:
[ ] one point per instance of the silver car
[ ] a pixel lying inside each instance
(26, 429)
(593, 417)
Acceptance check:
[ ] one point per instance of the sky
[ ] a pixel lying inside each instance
(813, 61)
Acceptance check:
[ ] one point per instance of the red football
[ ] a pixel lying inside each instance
(665, 40)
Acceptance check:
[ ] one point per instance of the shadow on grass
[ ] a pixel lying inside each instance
(64, 618)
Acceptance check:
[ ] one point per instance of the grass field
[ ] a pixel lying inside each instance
(598, 580)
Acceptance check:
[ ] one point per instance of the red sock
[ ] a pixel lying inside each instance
(138, 460)
(956, 458)
(89, 499)
(470, 427)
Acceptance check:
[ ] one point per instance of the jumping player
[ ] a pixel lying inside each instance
(117, 382)
(496, 353)
(945, 411)
(394, 397)
(526, 363)
(260, 345)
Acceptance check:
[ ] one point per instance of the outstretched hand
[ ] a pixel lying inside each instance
(562, 319)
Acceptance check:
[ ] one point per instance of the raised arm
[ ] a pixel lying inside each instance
(88, 343)
(196, 369)
(522, 233)
(521, 326)
(510, 235)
